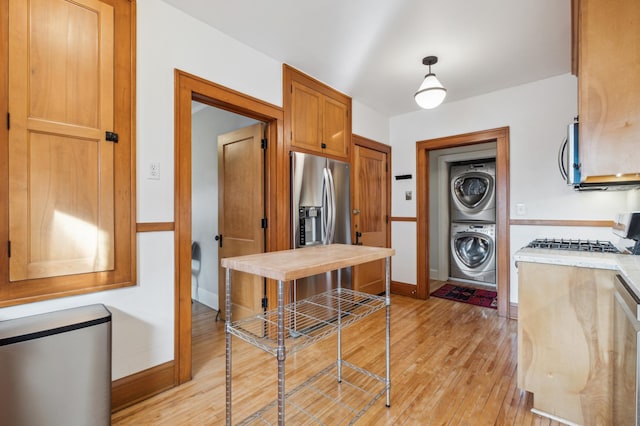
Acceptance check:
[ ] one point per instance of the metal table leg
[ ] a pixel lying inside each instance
(281, 353)
(227, 325)
(339, 356)
(388, 324)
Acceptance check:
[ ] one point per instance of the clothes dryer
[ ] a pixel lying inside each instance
(473, 252)
(472, 191)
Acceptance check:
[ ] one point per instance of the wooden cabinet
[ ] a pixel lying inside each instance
(71, 218)
(317, 118)
(608, 46)
(565, 340)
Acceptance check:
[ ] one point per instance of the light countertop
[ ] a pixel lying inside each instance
(293, 264)
(625, 264)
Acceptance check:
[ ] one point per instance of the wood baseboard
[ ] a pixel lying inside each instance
(403, 289)
(145, 384)
(513, 311)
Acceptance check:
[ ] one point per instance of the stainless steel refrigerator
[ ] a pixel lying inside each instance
(321, 214)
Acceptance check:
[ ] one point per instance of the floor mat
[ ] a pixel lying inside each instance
(473, 296)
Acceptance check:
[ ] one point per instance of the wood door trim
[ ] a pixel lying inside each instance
(501, 137)
(188, 87)
(547, 222)
(154, 226)
(403, 219)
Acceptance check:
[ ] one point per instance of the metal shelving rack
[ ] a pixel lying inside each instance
(340, 393)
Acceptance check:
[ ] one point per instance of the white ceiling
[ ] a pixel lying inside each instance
(372, 50)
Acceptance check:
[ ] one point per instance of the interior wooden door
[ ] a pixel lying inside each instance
(61, 172)
(240, 214)
(370, 214)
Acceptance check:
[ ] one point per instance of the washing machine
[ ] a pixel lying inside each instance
(473, 191)
(473, 252)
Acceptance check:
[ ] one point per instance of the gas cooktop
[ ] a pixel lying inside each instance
(575, 245)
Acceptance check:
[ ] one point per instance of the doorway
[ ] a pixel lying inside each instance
(190, 88)
(424, 149)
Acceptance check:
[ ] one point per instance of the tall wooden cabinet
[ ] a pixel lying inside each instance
(70, 218)
(317, 118)
(608, 46)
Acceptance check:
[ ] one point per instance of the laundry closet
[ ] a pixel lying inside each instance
(462, 216)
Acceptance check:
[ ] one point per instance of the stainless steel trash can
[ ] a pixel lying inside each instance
(55, 368)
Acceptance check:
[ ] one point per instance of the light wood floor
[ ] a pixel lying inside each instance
(451, 364)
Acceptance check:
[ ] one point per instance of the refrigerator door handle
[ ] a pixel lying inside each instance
(333, 207)
(326, 206)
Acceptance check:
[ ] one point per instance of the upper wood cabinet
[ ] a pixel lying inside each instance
(70, 222)
(608, 46)
(317, 118)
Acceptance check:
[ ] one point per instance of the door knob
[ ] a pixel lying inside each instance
(218, 238)
(356, 211)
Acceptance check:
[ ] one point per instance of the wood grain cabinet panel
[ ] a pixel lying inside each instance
(609, 88)
(565, 340)
(70, 75)
(317, 117)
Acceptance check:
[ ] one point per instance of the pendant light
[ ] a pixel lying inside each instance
(431, 92)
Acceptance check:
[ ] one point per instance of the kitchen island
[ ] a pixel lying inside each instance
(565, 330)
(299, 324)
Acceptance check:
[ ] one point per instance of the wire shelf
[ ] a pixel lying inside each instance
(307, 321)
(323, 400)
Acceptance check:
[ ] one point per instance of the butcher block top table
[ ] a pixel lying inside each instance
(305, 322)
(290, 265)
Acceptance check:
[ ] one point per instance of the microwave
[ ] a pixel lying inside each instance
(572, 159)
(569, 165)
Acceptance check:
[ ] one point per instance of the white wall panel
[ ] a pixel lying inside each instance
(537, 115)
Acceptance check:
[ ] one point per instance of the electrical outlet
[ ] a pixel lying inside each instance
(521, 210)
(154, 170)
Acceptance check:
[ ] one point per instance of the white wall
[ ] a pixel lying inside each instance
(207, 124)
(369, 124)
(143, 315)
(537, 115)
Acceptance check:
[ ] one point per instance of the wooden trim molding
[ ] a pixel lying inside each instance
(142, 385)
(403, 219)
(154, 226)
(546, 222)
(501, 137)
(188, 87)
(513, 311)
(404, 289)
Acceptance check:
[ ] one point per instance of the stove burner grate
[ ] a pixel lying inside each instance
(575, 245)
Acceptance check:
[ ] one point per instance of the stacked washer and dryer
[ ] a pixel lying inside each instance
(473, 222)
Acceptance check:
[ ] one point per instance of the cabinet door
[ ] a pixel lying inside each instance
(565, 340)
(61, 182)
(609, 87)
(336, 127)
(306, 117)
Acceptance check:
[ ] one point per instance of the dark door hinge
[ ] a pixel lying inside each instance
(386, 167)
(8, 121)
(9, 248)
(263, 143)
(265, 303)
(111, 137)
(264, 223)
(386, 218)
